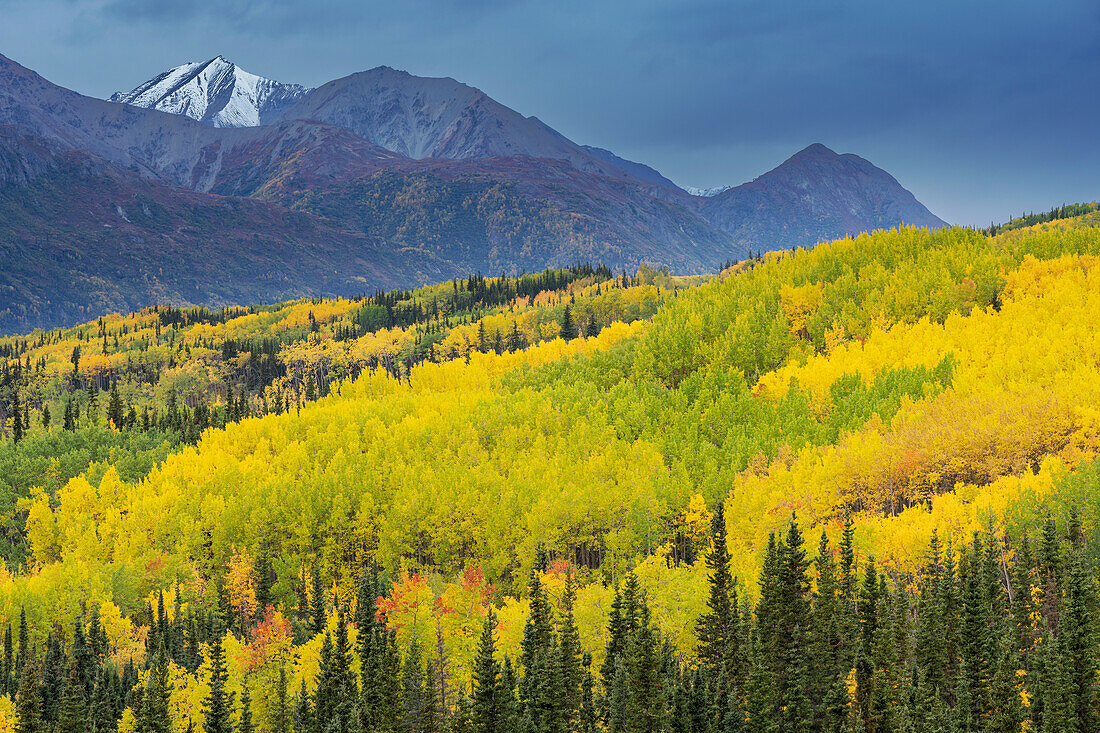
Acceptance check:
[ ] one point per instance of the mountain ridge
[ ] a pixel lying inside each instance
(500, 191)
(803, 202)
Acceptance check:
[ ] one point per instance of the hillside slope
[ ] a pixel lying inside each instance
(80, 237)
(557, 453)
(791, 380)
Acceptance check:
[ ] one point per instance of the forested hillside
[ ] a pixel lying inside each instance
(846, 488)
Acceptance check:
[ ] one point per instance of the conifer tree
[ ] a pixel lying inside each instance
(643, 693)
(1050, 569)
(97, 635)
(16, 417)
(28, 704)
(760, 698)
(538, 693)
(1007, 709)
(964, 700)
(571, 668)
(318, 613)
(847, 592)
(414, 711)
(82, 657)
(101, 710)
(53, 678)
(21, 656)
(1077, 635)
(881, 711)
(280, 714)
(191, 653)
(508, 717)
(7, 684)
(154, 716)
(1023, 608)
(72, 713)
(568, 326)
(794, 637)
(976, 632)
(244, 725)
(92, 398)
(588, 713)
(616, 639)
(484, 704)
(514, 341)
(592, 329)
(373, 653)
(929, 652)
(303, 711)
(342, 676)
(733, 720)
(432, 719)
(327, 693)
(461, 720)
(69, 419)
(716, 629)
(218, 704)
(699, 694)
(827, 672)
(337, 691)
(114, 407)
(618, 699)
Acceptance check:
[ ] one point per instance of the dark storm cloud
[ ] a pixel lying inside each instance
(983, 109)
(294, 16)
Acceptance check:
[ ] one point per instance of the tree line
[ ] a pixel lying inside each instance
(975, 642)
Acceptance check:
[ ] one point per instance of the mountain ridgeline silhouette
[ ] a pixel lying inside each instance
(210, 185)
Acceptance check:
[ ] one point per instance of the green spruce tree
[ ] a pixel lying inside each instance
(484, 707)
(72, 713)
(218, 703)
(717, 628)
(28, 703)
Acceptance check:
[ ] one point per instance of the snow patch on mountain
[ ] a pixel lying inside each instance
(217, 92)
(706, 192)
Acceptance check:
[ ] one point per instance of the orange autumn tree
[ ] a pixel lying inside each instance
(269, 653)
(445, 620)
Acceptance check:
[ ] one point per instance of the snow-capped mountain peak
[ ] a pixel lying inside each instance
(217, 92)
(706, 192)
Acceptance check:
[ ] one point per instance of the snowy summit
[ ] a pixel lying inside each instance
(706, 192)
(217, 92)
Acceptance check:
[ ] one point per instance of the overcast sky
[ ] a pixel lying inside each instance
(982, 109)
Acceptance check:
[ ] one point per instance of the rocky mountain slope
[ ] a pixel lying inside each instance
(80, 237)
(400, 176)
(816, 195)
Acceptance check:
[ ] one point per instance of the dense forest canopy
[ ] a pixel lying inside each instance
(850, 487)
